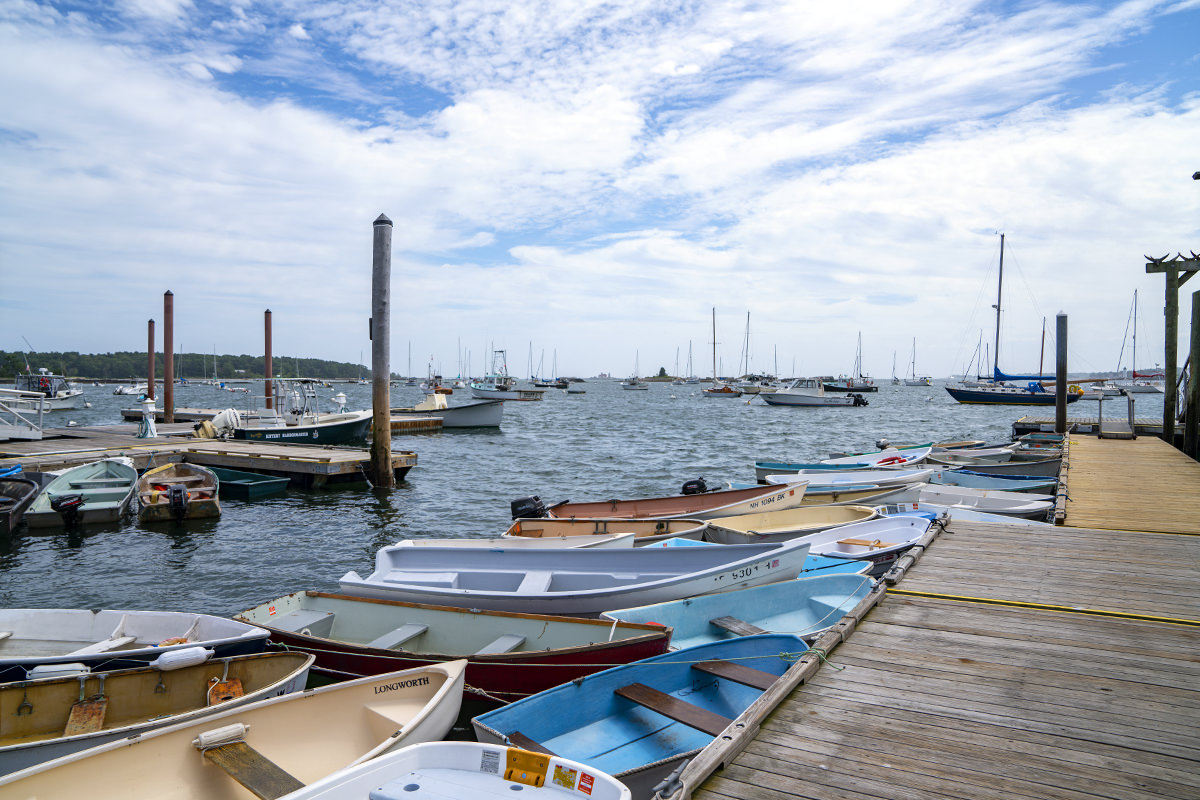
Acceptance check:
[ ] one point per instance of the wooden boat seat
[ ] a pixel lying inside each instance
(105, 646)
(99, 483)
(871, 543)
(518, 739)
(736, 626)
(399, 636)
(306, 621)
(261, 776)
(673, 708)
(502, 644)
(535, 582)
(182, 479)
(738, 673)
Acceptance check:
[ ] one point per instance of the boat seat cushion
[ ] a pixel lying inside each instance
(535, 582)
(505, 643)
(399, 636)
(309, 622)
(105, 646)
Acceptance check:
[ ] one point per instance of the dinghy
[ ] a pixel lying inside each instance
(1015, 504)
(819, 479)
(891, 457)
(702, 505)
(531, 543)
(778, 526)
(1006, 483)
(764, 468)
(574, 582)
(72, 713)
(1043, 467)
(177, 492)
(234, 484)
(16, 494)
(466, 770)
(935, 510)
(265, 749)
(644, 531)
(33, 637)
(803, 607)
(90, 493)
(980, 455)
(511, 655)
(639, 722)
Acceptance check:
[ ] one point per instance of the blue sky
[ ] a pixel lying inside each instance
(593, 178)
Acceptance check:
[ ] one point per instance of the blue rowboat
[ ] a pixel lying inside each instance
(802, 607)
(637, 722)
(978, 480)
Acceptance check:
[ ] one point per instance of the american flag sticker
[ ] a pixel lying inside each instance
(775, 563)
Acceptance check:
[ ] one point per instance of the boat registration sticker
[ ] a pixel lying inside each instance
(565, 776)
(489, 762)
(585, 783)
(271, 611)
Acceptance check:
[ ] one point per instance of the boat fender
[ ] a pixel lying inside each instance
(178, 659)
(697, 486)
(218, 737)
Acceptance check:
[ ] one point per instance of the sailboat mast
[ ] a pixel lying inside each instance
(1133, 358)
(1042, 357)
(714, 345)
(999, 290)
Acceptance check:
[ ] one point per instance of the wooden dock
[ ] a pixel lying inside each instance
(1008, 662)
(309, 466)
(1142, 426)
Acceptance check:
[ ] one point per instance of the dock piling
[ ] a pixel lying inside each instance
(267, 371)
(168, 357)
(379, 329)
(150, 360)
(1060, 374)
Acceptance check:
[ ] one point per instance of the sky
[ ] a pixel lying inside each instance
(586, 184)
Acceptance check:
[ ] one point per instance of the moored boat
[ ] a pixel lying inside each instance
(625, 721)
(478, 414)
(702, 505)
(1007, 483)
(16, 494)
(110, 639)
(1017, 504)
(889, 457)
(235, 484)
(1042, 467)
(802, 607)
(178, 491)
(625, 539)
(90, 493)
(273, 746)
(880, 541)
(570, 581)
(778, 526)
(823, 479)
(511, 655)
(71, 713)
(57, 393)
(811, 392)
(645, 531)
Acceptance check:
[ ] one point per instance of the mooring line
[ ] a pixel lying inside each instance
(1044, 607)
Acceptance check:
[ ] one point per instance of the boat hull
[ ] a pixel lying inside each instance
(199, 483)
(694, 506)
(16, 495)
(1013, 397)
(484, 414)
(645, 531)
(340, 432)
(237, 485)
(107, 487)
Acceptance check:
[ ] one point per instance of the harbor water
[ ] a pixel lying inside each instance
(605, 443)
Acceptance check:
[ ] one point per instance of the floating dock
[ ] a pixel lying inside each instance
(1006, 662)
(308, 466)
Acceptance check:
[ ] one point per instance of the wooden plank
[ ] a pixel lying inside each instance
(522, 741)
(252, 770)
(673, 708)
(736, 626)
(739, 673)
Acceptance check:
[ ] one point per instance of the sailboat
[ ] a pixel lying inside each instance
(999, 392)
(499, 385)
(895, 380)
(718, 388)
(1146, 382)
(635, 383)
(856, 381)
(691, 373)
(911, 379)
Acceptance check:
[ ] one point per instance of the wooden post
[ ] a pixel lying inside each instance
(1060, 374)
(379, 330)
(267, 348)
(1171, 356)
(1191, 438)
(168, 357)
(150, 361)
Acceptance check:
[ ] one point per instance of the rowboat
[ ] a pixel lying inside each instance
(511, 655)
(1043, 467)
(936, 510)
(90, 493)
(880, 541)
(778, 526)
(67, 714)
(704, 505)
(177, 491)
(890, 457)
(625, 539)
(572, 581)
(639, 722)
(237, 485)
(45, 637)
(466, 770)
(644, 531)
(479, 414)
(267, 749)
(821, 479)
(764, 468)
(803, 607)
(1016, 504)
(978, 455)
(16, 495)
(1008, 483)
(868, 495)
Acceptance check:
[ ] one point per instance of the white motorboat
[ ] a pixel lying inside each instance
(480, 414)
(57, 393)
(810, 392)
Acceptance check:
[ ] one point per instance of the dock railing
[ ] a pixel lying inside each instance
(21, 414)
(1116, 429)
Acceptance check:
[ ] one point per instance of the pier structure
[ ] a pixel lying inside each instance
(1001, 661)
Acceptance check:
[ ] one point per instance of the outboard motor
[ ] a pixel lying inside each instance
(67, 506)
(859, 400)
(528, 508)
(697, 486)
(177, 500)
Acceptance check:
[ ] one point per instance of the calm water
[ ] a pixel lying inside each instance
(603, 444)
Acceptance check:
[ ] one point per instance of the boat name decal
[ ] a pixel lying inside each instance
(408, 684)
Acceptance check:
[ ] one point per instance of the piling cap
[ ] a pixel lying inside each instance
(382, 220)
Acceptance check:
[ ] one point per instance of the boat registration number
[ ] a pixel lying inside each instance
(747, 571)
(766, 501)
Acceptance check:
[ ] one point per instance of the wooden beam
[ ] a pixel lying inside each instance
(738, 673)
(673, 708)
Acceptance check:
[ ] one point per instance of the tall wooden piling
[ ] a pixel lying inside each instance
(150, 360)
(168, 357)
(379, 330)
(1171, 355)
(1060, 374)
(1191, 438)
(267, 372)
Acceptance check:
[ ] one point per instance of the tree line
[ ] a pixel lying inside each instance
(125, 366)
